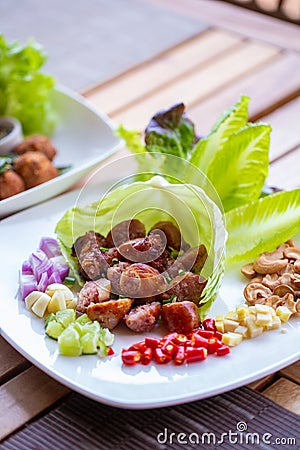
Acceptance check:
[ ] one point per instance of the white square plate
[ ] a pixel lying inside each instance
(107, 380)
(83, 137)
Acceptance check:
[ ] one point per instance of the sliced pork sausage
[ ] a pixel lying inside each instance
(140, 280)
(181, 317)
(93, 292)
(188, 286)
(143, 318)
(125, 231)
(109, 314)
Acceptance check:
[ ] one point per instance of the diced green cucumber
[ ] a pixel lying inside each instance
(102, 350)
(89, 343)
(49, 319)
(54, 329)
(69, 342)
(106, 336)
(66, 316)
(93, 328)
(83, 319)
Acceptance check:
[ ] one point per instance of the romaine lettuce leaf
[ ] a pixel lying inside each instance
(262, 225)
(231, 120)
(239, 168)
(25, 92)
(197, 216)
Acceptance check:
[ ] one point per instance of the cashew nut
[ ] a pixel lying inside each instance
(271, 280)
(248, 270)
(283, 289)
(292, 253)
(265, 265)
(297, 265)
(256, 293)
(295, 279)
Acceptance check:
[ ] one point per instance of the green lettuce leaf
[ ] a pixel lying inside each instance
(239, 169)
(262, 225)
(197, 216)
(25, 92)
(170, 131)
(132, 139)
(231, 120)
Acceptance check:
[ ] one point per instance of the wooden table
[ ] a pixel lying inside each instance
(238, 52)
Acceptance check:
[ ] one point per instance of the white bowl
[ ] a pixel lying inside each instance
(84, 138)
(13, 138)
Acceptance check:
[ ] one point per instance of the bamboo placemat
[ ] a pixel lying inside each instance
(238, 419)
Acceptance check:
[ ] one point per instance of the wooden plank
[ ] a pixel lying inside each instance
(285, 393)
(262, 86)
(284, 173)
(234, 18)
(292, 372)
(285, 128)
(25, 396)
(262, 383)
(160, 71)
(199, 84)
(11, 362)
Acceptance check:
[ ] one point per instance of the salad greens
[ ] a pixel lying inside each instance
(198, 217)
(262, 225)
(25, 92)
(234, 158)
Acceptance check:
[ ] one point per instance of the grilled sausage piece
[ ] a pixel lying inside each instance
(143, 318)
(181, 317)
(186, 287)
(109, 314)
(93, 292)
(114, 275)
(194, 258)
(125, 231)
(93, 262)
(172, 233)
(97, 239)
(140, 280)
(142, 250)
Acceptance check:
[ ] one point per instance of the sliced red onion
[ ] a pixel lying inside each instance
(27, 285)
(60, 266)
(26, 268)
(50, 247)
(54, 278)
(43, 283)
(40, 264)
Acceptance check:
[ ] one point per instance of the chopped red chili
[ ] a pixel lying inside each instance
(161, 357)
(131, 357)
(147, 356)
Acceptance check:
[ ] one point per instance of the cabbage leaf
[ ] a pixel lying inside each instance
(197, 216)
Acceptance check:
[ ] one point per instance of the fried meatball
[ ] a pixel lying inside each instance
(36, 143)
(35, 168)
(10, 184)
